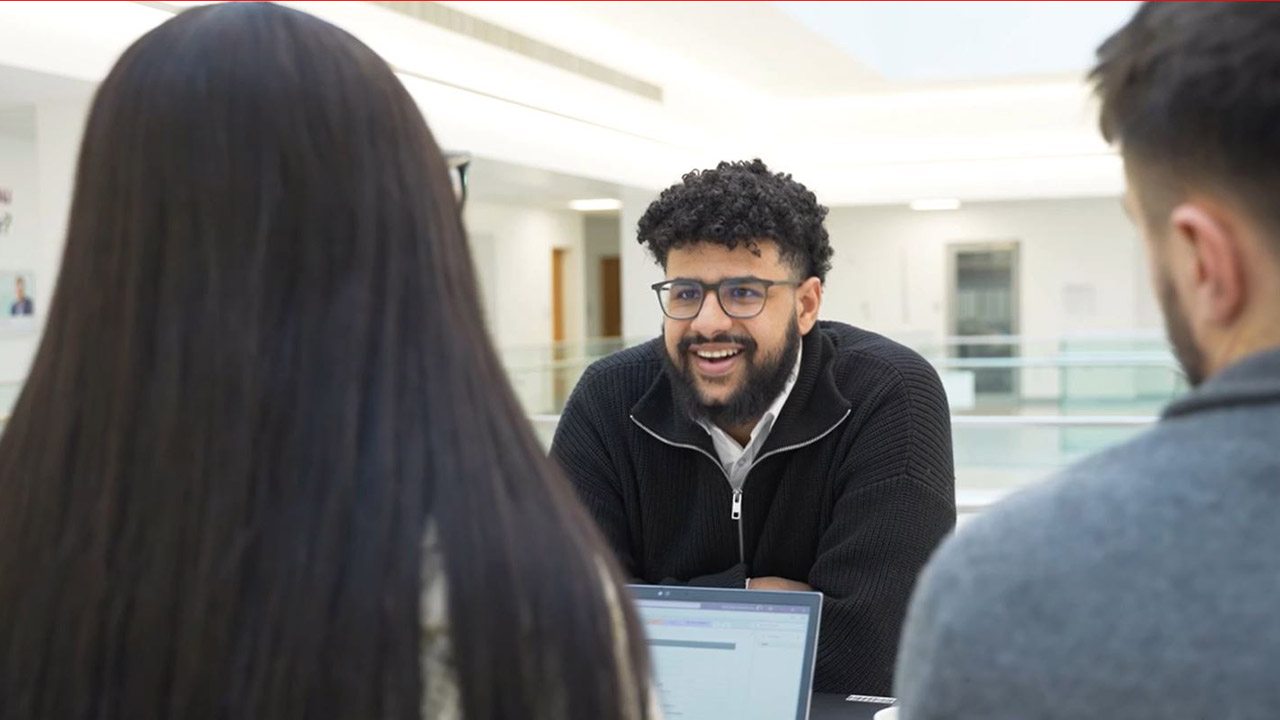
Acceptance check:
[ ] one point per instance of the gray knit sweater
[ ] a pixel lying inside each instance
(1142, 583)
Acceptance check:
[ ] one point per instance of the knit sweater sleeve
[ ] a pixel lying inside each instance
(897, 504)
(583, 454)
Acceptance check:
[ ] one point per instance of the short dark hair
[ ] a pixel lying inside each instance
(739, 203)
(1191, 93)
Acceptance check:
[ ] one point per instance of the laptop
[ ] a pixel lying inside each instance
(739, 655)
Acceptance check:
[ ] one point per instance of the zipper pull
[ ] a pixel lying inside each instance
(736, 514)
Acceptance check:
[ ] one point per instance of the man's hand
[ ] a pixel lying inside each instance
(777, 583)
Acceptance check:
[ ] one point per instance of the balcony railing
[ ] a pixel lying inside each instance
(1069, 397)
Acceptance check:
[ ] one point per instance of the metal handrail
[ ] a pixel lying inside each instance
(991, 420)
(1143, 335)
(1053, 420)
(967, 420)
(975, 501)
(1159, 360)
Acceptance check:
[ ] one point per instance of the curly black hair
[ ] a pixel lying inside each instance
(739, 203)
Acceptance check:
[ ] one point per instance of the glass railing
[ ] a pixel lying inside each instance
(1134, 374)
(1064, 399)
(544, 375)
(998, 454)
(1070, 397)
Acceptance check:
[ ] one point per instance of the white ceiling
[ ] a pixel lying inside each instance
(507, 183)
(21, 88)
(808, 49)
(949, 42)
(740, 80)
(756, 43)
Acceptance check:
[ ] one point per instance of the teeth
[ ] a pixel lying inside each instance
(717, 354)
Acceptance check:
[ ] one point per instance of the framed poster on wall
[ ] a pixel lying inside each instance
(18, 298)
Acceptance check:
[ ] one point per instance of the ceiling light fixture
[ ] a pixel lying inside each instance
(933, 204)
(595, 204)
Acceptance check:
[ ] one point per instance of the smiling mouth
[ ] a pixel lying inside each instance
(717, 354)
(713, 364)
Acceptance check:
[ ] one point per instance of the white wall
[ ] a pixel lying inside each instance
(38, 165)
(20, 252)
(512, 247)
(59, 131)
(890, 268)
(641, 316)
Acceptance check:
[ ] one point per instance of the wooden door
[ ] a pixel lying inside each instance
(610, 297)
(557, 294)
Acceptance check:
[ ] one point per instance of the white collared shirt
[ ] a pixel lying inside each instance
(736, 459)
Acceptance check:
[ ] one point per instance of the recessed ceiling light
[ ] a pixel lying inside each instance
(595, 204)
(930, 204)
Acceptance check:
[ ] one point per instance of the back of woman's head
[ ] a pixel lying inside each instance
(263, 375)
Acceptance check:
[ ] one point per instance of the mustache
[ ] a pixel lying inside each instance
(687, 342)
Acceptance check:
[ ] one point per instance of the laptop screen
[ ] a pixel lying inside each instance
(739, 654)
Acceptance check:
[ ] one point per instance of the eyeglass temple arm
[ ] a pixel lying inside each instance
(461, 162)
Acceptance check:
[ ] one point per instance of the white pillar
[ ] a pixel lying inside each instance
(641, 317)
(59, 129)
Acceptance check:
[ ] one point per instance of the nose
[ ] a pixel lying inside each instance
(711, 320)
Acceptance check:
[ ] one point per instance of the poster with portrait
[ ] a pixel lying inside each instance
(19, 300)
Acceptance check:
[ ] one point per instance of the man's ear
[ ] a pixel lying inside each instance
(808, 302)
(1208, 251)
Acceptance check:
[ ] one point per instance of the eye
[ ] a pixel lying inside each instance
(744, 292)
(686, 292)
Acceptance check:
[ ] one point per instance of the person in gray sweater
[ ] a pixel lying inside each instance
(1145, 581)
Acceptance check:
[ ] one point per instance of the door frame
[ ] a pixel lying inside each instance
(1013, 246)
(954, 249)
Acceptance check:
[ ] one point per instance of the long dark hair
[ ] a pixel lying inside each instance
(264, 375)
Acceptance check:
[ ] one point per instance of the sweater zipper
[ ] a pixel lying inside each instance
(695, 448)
(735, 509)
(735, 513)
(797, 446)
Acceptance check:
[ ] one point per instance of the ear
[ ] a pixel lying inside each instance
(1208, 249)
(808, 301)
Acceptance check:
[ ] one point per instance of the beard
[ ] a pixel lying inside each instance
(766, 376)
(1179, 332)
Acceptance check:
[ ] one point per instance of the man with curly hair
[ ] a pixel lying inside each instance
(754, 446)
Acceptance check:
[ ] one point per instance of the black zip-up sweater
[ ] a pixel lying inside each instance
(851, 492)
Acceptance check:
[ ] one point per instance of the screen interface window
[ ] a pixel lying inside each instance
(715, 660)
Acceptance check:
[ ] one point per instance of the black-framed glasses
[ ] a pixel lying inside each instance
(740, 297)
(459, 163)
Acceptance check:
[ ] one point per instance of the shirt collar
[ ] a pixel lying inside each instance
(815, 406)
(1251, 381)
